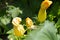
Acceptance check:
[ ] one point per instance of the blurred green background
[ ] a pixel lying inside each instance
(25, 8)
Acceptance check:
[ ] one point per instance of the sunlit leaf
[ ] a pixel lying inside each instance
(10, 32)
(59, 11)
(58, 36)
(4, 20)
(58, 23)
(13, 11)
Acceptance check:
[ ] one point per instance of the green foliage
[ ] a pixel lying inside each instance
(59, 12)
(48, 32)
(5, 20)
(58, 23)
(53, 11)
(13, 11)
(58, 37)
(30, 8)
(0, 39)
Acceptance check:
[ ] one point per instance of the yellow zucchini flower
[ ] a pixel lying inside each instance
(18, 28)
(42, 15)
(29, 23)
(16, 21)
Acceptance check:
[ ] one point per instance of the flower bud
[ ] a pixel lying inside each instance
(29, 23)
(45, 4)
